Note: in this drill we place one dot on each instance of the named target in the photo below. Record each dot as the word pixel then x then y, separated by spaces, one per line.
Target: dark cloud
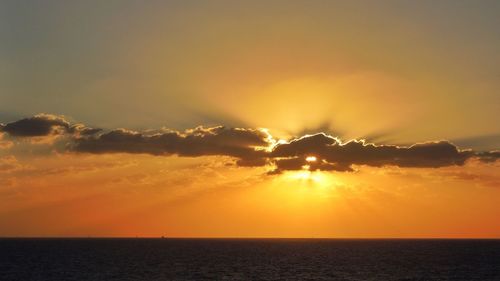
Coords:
pixel 37 126
pixel 239 143
pixel 44 125
pixel 331 154
pixel 300 163
pixel 488 156
pixel 250 147
pixel 83 130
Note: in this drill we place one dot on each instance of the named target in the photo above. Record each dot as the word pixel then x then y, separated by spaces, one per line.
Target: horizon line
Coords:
pixel 249 238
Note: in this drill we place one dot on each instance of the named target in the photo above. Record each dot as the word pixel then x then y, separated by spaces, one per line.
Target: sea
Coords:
pixel 247 259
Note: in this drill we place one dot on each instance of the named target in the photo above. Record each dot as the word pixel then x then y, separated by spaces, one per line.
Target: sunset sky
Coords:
pixel 342 119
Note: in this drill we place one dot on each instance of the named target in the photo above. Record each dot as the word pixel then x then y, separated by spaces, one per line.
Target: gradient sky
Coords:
pixel 390 72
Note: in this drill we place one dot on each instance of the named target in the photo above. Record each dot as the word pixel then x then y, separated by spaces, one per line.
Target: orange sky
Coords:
pixel 142 195
pixel 398 74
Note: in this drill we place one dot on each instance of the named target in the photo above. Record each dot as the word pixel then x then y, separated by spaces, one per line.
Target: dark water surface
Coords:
pixel 248 259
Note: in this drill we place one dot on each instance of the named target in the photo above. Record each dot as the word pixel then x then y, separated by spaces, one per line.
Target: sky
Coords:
pixel 341 119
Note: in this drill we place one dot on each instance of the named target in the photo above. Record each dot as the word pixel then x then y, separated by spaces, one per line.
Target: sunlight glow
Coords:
pixel 311 159
pixel 309 176
pixel 301 175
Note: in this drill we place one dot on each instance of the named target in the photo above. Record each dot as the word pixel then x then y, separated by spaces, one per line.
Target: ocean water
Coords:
pixel 248 259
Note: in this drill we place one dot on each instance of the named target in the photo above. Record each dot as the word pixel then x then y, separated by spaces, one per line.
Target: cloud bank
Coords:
pixel 42 125
pixel 250 147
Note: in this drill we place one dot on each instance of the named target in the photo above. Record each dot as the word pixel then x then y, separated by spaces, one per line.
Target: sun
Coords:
pixel 309 173
pixel 306 173
pixel 311 159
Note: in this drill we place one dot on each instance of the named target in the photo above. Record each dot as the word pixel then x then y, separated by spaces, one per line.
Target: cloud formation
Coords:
pixel 243 144
pixel 37 126
pixel 42 125
pixel 332 154
pixel 250 147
